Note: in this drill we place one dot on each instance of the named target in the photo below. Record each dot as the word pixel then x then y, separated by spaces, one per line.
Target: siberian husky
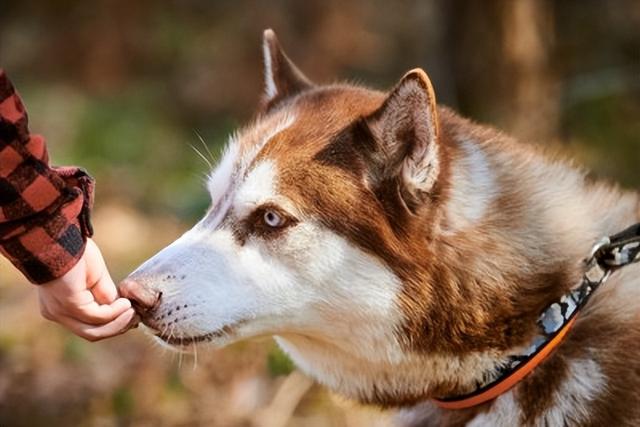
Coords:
pixel 400 253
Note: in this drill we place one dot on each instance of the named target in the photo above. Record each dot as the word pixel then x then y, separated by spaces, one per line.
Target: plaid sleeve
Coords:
pixel 44 211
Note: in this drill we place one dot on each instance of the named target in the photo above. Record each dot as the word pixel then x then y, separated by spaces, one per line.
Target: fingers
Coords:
pixel 94 313
pixel 119 325
pixel 104 290
pixel 86 301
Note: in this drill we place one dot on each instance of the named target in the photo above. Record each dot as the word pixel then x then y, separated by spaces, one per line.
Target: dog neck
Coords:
pixel 389 381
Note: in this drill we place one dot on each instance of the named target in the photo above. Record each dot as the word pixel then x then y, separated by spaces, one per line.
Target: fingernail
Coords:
pixel 124 302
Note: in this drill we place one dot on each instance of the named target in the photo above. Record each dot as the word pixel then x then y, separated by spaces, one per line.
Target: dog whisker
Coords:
pixel 202 156
pixel 195 355
pixel 206 147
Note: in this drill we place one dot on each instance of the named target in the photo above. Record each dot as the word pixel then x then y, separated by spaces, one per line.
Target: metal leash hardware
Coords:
pixel 618 250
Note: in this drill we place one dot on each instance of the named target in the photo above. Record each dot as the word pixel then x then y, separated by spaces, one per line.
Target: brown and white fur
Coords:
pixel 399 252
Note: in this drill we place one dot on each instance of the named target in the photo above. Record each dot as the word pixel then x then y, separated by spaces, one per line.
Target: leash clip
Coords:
pixel 603 243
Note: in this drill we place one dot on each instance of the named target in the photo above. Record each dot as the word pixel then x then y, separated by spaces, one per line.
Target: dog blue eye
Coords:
pixel 272 219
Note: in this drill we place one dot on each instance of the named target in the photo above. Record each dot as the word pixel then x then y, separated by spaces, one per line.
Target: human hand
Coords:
pixel 85 300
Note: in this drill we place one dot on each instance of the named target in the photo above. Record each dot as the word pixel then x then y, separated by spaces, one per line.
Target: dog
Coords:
pixel 400 253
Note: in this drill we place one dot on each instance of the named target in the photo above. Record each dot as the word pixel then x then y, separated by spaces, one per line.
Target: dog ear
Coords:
pixel 405 132
pixel 282 78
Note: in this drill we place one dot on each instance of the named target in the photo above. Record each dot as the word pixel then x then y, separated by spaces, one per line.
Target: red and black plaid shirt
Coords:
pixel 44 211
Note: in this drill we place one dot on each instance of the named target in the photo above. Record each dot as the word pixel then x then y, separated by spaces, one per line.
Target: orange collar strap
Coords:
pixel 607 256
pixel 510 378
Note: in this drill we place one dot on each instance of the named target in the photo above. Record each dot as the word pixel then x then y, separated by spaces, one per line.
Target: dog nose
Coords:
pixel 143 298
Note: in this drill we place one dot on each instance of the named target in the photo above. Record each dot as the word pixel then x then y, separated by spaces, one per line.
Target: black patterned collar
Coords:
pixel 608 255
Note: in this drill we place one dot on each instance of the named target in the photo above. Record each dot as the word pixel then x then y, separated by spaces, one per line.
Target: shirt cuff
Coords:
pixel 47 246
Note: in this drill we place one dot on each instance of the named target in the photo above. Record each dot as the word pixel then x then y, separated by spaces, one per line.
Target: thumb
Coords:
pixel 99 281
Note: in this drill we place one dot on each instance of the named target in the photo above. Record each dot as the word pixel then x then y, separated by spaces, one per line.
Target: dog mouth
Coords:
pixel 181 341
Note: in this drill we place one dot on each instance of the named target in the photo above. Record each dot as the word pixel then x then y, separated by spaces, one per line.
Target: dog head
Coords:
pixel 323 213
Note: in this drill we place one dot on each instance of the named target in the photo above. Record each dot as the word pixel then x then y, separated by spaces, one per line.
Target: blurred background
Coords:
pixel 126 88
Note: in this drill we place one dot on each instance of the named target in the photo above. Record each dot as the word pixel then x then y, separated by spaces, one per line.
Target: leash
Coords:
pixel 607 256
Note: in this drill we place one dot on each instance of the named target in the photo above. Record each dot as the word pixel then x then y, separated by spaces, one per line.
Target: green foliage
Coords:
pixel 123 402
pixel 279 363
pixel 609 129
pixel 74 349
pixel 137 153
pixel 174 382
pixel 7 342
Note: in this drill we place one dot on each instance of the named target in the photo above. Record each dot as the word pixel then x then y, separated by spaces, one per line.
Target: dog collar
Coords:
pixel 608 255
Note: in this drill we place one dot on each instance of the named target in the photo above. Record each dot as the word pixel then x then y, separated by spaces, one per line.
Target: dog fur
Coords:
pixel 399 252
